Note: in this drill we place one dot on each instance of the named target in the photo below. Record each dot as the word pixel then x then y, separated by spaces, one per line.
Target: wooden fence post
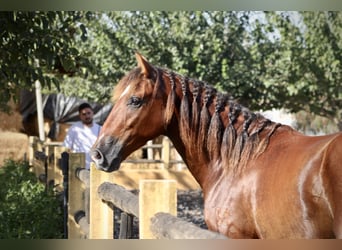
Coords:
pixel 49 171
pixel 50 153
pixel 166 152
pixel 155 196
pixel 101 224
pixel 32 148
pixel 36 145
pixel 150 150
pixel 76 196
pixel 57 170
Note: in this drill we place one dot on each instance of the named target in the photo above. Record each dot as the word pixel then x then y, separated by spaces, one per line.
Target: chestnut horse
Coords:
pixel 260 179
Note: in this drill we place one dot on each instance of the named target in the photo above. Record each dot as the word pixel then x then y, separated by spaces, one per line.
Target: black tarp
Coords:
pixel 59 109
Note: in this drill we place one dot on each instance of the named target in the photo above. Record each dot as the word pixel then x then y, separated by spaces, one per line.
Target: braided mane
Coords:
pixel 221 129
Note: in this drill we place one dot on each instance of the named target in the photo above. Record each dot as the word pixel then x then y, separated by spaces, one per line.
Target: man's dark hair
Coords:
pixel 83 106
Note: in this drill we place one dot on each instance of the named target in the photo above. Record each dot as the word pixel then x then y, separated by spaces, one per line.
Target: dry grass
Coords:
pixel 11 121
pixel 13 145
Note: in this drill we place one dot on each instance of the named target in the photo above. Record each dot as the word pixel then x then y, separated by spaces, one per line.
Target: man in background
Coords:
pixel 82 135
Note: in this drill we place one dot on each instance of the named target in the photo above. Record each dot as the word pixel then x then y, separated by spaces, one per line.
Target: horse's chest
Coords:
pixel 229 213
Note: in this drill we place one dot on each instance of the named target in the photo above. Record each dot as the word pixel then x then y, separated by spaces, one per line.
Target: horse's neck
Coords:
pixel 198 165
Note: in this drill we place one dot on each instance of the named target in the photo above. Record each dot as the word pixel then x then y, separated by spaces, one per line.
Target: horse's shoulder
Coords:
pixel 337 137
pixel 334 143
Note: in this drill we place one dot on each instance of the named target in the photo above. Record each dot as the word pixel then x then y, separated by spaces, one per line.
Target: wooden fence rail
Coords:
pixel 120 197
pixel 89 198
pixel 166 226
pixel 161 225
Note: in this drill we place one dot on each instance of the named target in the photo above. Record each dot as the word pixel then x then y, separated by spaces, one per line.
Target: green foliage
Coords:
pixel 38 46
pixel 204 45
pixel 27 210
pixel 308 62
pixel 266 60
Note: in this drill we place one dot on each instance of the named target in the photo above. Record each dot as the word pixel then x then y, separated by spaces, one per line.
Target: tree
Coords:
pixel 307 64
pixel 38 46
pixel 265 60
pixel 204 45
pixel 102 70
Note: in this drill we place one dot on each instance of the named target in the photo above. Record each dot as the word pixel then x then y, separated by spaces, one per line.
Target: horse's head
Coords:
pixel 137 116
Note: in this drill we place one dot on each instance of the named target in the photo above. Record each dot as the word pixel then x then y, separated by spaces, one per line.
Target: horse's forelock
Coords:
pixel 124 83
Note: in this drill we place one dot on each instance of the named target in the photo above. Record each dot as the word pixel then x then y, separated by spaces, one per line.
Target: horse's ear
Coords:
pixel 146 68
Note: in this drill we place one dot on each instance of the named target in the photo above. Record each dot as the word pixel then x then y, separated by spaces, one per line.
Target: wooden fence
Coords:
pixel 89 198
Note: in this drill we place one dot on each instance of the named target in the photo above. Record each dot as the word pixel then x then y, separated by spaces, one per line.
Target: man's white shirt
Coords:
pixel 80 138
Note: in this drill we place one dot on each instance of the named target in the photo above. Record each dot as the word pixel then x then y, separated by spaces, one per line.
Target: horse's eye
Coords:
pixel 135 102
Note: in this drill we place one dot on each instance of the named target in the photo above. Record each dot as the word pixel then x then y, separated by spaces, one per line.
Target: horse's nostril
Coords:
pixel 107 157
pixel 96 155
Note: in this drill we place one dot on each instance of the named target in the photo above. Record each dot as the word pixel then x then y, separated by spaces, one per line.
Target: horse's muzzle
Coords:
pixel 107 157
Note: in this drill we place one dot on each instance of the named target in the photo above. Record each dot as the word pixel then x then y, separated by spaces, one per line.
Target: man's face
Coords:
pixel 86 116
